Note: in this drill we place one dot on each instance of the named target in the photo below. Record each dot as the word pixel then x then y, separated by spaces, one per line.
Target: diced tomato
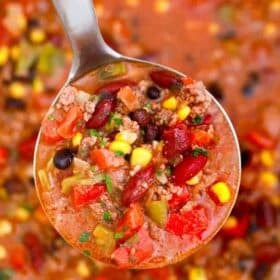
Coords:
pixel 188 81
pixel 4 154
pixel 143 248
pixel 18 257
pixel 208 119
pixel 164 79
pixel 193 222
pixel 188 168
pixel 83 195
pixel 49 131
pixel 114 87
pixel 138 185
pixel 102 113
pixel 67 127
pixel 26 147
pixel 132 221
pixel 178 201
pixel 201 138
pixel 105 159
pixel 260 140
pixel 177 139
pixel 35 250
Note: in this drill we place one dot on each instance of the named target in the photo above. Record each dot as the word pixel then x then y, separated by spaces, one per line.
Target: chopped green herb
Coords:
pixel 148 106
pixel 168 171
pixel 107 216
pixel 108 183
pixel 86 253
pixel 94 133
pixel 197 119
pixel 158 172
pixel 118 121
pixel 119 154
pixel 142 132
pixel 199 151
pixel 102 143
pixel 84 237
pixel 118 235
pixel 176 86
pixel 6 273
pixel 51 118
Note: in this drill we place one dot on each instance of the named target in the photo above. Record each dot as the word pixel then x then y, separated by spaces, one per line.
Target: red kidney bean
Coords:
pixel 35 249
pixel 138 185
pixel 164 79
pixel 102 113
pixel 267 253
pixel 142 117
pixel 177 139
pixel 188 168
pixel 151 133
pixel 114 87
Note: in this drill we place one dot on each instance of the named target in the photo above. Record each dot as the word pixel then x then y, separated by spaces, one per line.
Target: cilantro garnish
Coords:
pixel 197 119
pixel 84 237
pixel 119 154
pixel 148 106
pixel 94 133
pixel 102 143
pixel 107 216
pixel 108 183
pixel 168 171
pixel 158 172
pixel 118 235
pixel 199 151
pixel 86 253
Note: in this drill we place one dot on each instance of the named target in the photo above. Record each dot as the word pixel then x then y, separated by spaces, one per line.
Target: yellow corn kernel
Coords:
pixel 126 136
pixel 222 192
pixel 120 146
pixel 275 5
pixel 5 227
pixel 213 28
pixel 140 156
pixel 77 139
pixel 22 214
pixel 15 52
pixel 17 90
pixel 270 29
pixel 83 269
pixel 162 6
pixel 197 273
pixel 194 180
pixel 3 253
pixel 231 222
pixel 4 55
pixel 183 113
pixel 267 158
pixel 268 179
pixel 170 103
pixel 37 85
pixel 132 2
pixel 21 22
pixel 37 36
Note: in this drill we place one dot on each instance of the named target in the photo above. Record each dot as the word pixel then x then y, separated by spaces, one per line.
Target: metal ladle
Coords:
pixel 91 52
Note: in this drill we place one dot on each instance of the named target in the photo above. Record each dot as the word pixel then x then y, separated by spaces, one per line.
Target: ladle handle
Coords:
pixel 81 25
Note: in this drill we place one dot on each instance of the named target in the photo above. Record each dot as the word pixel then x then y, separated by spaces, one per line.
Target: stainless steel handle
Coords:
pixel 81 25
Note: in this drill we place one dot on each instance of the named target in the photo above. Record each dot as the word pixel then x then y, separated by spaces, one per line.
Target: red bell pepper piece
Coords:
pixel 49 131
pixel 114 87
pixel 102 113
pixel 177 139
pixel 178 201
pixel 82 195
pixel 201 138
pixel 18 257
pixel 143 248
pixel 193 222
pixel 35 250
pixel 4 154
pixel 131 222
pixel 138 185
pixel 188 168
pixel 164 79
pixel 260 140
pixel 67 127
pixel 26 147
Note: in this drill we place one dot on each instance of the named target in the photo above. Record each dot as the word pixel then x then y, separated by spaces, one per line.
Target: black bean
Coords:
pixel 63 158
pixel 246 157
pixel 250 84
pixel 141 116
pixel 216 90
pixel 151 133
pixel 153 92
pixel 14 103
